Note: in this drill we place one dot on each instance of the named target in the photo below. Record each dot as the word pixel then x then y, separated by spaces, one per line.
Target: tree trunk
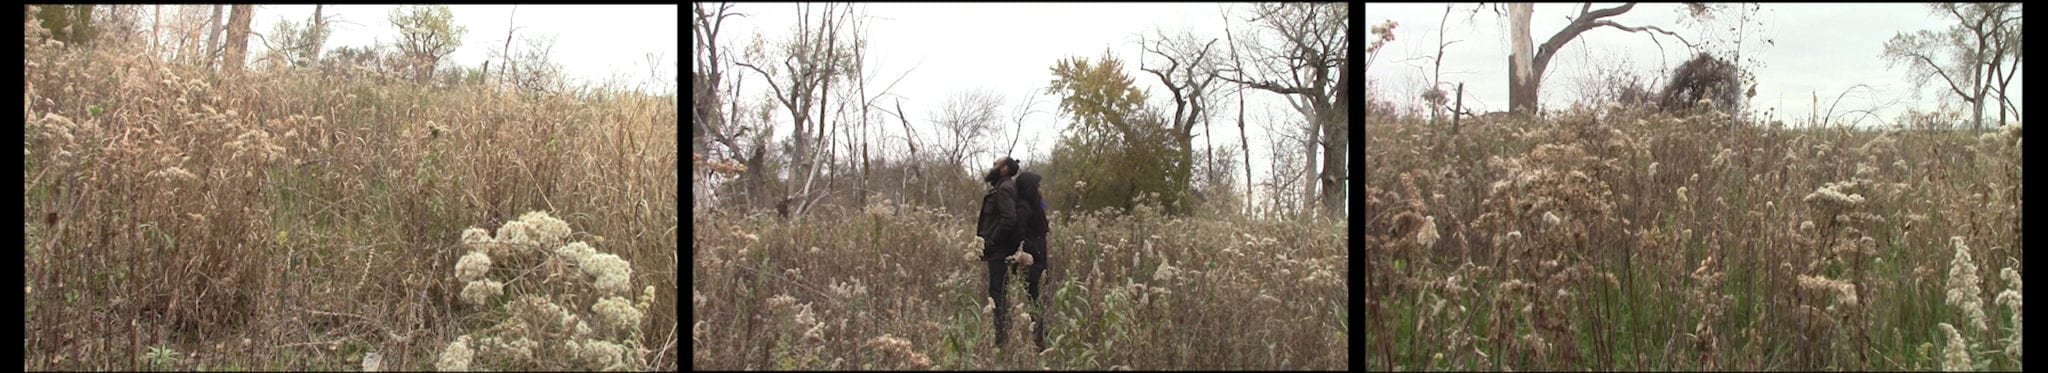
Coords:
pixel 1522 95
pixel 1977 103
pixel 2001 95
pixel 1336 148
pixel 319 29
pixel 1308 167
pixel 1977 85
pixel 824 134
pixel 212 36
pixel 1245 146
pixel 155 27
pixel 707 108
pixel 756 178
pixel 1522 74
pixel 238 38
pixel 866 168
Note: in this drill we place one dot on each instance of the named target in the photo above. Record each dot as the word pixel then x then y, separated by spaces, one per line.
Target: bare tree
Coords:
pixel 1284 164
pixel 1187 75
pixel 1307 65
pixel 1024 110
pixel 712 117
pixel 910 140
pixel 1984 35
pixel 967 118
pixel 858 68
pixel 1237 63
pixel 859 103
pixel 698 24
pixel 805 75
pixel 1527 63
pixel 1436 96
pixel 2009 44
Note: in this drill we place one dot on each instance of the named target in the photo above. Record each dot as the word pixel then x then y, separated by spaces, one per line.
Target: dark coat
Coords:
pixel 1035 222
pixel 1002 219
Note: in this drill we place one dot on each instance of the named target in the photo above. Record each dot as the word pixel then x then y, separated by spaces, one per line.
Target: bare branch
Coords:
pixel 1647 29
pixel 1937 70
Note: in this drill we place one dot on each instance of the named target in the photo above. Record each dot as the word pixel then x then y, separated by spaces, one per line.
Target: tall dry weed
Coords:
pixel 314 216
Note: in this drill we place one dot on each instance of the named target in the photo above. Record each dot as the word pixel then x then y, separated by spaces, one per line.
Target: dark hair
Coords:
pixel 995 176
pixel 1012 164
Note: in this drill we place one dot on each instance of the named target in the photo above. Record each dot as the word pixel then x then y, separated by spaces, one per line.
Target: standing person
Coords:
pixel 1002 228
pixel 1035 228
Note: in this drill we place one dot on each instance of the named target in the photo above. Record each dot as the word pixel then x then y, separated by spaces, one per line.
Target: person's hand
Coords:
pixel 1020 258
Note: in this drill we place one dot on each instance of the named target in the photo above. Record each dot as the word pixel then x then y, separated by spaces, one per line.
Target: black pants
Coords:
pixel 998 273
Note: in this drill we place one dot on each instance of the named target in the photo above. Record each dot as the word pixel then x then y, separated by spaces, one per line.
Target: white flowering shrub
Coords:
pixel 472 266
pixel 1962 285
pixel 456 356
pixel 546 327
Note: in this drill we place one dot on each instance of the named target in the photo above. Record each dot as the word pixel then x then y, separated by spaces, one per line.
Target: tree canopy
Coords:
pixel 1126 147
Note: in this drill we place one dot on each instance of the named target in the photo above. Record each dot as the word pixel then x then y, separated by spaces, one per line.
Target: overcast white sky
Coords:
pixel 592 42
pixel 1009 48
pixel 1821 49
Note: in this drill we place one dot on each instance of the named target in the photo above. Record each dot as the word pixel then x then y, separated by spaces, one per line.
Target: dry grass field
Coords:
pixel 1609 239
pixel 291 218
pixel 892 287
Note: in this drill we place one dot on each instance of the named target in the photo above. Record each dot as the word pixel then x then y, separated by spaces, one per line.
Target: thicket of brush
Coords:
pixel 901 287
pixel 285 219
pixel 1614 240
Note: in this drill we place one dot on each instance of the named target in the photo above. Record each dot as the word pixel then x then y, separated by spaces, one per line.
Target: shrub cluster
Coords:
pixel 538 332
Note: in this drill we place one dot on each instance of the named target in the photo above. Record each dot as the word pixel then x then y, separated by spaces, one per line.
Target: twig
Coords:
pixel 671 345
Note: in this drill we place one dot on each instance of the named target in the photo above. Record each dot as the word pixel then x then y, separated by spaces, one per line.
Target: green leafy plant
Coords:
pixel 161 356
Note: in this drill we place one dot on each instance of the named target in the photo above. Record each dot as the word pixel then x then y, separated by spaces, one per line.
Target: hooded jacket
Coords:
pixel 1035 222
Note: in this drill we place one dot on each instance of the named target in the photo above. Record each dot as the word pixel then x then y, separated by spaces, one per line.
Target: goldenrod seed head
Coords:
pixel 515 232
pixel 475 236
pixel 618 312
pixel 456 356
pixel 545 229
pixel 1955 357
pixel 1962 285
pixel 472 266
pixel 575 252
pixel 602 354
pixel 782 300
pixel 478 292
pixel 612 272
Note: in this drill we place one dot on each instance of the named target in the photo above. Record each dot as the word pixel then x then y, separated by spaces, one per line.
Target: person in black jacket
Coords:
pixel 1035 228
pixel 1001 223
pixel 1004 224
